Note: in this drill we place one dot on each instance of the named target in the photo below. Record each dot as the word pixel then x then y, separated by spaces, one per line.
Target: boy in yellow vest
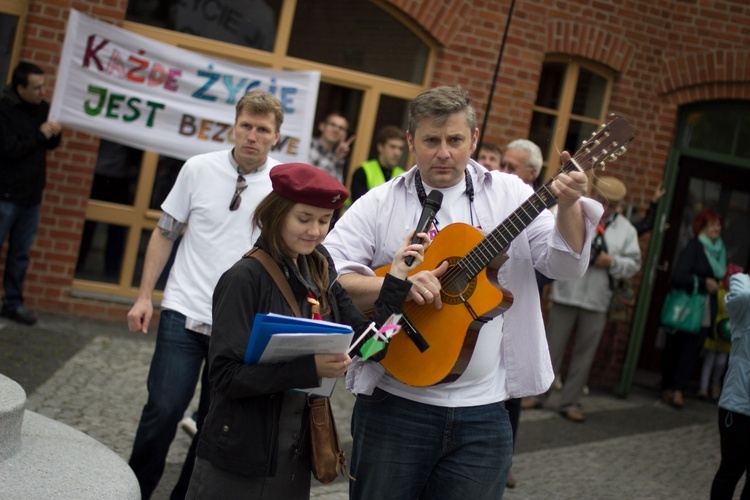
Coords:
pixel 390 143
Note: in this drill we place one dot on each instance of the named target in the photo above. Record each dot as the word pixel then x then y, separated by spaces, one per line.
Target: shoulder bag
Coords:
pixel 328 458
pixel 684 311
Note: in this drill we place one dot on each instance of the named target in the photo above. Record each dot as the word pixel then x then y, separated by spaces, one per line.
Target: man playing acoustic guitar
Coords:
pixel 422 430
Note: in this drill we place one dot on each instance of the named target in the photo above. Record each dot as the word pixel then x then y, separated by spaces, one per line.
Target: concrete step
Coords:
pixel 12 403
pixel 42 458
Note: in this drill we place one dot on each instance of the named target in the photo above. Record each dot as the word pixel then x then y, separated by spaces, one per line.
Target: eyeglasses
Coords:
pixel 340 127
pixel 237 199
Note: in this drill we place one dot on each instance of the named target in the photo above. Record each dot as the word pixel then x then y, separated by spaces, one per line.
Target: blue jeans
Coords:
pixel 408 450
pixel 19 223
pixel 172 378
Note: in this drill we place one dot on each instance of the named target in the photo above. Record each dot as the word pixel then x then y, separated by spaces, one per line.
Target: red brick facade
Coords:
pixel 666 53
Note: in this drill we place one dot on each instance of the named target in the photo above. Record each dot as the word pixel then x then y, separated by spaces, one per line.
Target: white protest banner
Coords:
pixel 149 95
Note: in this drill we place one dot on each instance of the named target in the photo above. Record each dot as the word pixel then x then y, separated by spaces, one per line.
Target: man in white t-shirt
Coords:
pixel 213 199
pixel 453 440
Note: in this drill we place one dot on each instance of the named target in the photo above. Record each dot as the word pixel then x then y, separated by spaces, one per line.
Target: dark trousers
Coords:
pixel 734 432
pixel 681 352
pixel 172 378
pixel 19 223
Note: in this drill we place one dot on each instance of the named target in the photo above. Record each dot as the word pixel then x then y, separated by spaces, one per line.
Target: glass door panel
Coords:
pixel 8 26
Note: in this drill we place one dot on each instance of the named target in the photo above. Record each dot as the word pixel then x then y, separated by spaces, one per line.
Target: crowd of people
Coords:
pixel 231 206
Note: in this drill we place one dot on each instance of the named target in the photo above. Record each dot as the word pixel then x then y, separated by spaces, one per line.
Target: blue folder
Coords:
pixel 266 325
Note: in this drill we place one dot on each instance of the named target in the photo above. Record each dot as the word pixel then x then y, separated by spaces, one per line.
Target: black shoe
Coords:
pixel 20 314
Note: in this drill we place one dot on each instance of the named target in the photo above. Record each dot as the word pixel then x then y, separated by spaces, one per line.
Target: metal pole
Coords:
pixel 494 79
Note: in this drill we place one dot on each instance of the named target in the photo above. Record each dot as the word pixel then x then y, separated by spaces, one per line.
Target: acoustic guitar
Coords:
pixel 435 346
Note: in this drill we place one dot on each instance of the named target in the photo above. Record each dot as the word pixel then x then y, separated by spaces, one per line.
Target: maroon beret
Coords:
pixel 303 183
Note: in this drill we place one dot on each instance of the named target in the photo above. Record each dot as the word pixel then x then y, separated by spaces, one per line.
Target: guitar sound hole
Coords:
pixel 456 285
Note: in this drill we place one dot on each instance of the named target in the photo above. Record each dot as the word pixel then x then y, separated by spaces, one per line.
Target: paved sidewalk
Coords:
pixel 91 375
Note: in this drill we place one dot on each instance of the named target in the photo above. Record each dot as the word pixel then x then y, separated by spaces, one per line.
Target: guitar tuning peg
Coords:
pixel 603 164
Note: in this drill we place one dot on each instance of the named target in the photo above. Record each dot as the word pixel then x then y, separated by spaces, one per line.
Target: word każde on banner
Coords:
pixel 150 95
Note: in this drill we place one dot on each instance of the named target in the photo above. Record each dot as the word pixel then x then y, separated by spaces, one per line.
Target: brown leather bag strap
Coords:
pixel 275 272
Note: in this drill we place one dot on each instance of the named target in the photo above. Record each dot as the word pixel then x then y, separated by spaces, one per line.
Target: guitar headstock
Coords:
pixel 606 144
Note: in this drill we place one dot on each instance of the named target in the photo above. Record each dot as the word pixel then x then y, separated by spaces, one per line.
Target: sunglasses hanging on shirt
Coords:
pixel 237 199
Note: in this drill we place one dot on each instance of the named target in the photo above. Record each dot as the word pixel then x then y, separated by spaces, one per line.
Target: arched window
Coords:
pixel 721 127
pixel 371 64
pixel 571 104
pixel 358 36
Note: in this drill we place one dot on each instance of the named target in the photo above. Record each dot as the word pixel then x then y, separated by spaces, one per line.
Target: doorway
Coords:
pixel 708 167
pixel 700 184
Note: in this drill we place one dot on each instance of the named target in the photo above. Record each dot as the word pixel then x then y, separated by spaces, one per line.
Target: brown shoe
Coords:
pixel 677 399
pixel 574 415
pixel 511 481
pixel 531 402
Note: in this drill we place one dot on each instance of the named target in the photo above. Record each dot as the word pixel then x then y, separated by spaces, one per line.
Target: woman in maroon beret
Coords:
pixel 255 440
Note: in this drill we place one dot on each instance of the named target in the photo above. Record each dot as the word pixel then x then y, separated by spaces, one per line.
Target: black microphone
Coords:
pixel 431 207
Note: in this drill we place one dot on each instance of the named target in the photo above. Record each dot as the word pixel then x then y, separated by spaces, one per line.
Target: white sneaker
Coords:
pixel 189 426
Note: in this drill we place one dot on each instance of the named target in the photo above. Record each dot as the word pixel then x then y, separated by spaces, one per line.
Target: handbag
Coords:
pixel 328 459
pixel 684 311
pixel 622 302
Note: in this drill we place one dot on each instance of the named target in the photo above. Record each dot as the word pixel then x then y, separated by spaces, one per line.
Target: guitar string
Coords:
pixel 578 158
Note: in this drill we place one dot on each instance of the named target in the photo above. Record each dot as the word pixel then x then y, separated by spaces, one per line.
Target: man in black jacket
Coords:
pixel 25 137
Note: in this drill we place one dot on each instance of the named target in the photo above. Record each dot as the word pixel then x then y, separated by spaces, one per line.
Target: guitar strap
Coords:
pixel 275 272
pixel 468 192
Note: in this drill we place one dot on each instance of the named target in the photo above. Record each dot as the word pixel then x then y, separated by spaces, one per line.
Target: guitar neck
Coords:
pixel 497 242
pixel 606 144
